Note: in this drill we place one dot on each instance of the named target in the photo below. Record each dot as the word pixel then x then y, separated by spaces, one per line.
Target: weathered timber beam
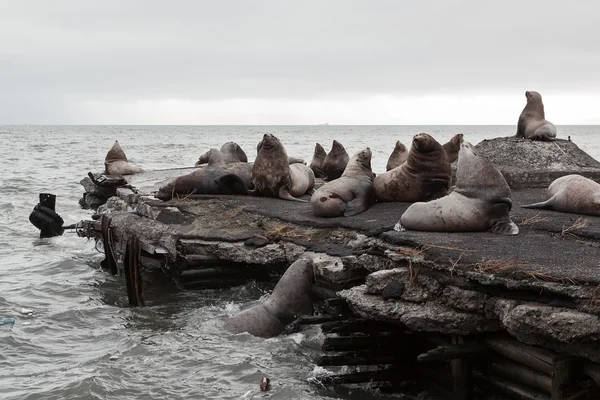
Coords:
pixel 521 374
pixel 536 358
pixel 392 374
pixel 357 358
pixel 514 389
pixel 361 325
pixel 319 319
pixel 350 343
pixel 454 351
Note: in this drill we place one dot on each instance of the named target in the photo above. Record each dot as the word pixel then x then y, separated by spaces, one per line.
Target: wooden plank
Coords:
pixel 514 389
pixel 533 357
pixel 453 352
pixel 561 376
pixel 462 374
pixel 521 374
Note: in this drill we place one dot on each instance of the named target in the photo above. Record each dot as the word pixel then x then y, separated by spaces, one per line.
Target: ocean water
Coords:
pixel 75 337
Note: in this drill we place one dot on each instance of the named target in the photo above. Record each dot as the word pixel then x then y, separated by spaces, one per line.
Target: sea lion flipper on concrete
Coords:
pixel 231 184
pixel 501 223
pixel 284 194
pixel 355 207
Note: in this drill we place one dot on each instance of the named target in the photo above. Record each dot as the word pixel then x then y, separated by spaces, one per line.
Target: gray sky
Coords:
pixel 301 62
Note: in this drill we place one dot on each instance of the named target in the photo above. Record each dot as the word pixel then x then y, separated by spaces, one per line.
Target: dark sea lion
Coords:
pixel 115 162
pixel 350 194
pixel 453 147
pixel 335 162
pixel 398 156
pixel 214 178
pixel 273 176
pixel 232 153
pixel 571 194
pixel 424 176
pixel 290 299
pixel 480 202
pixel 317 161
pixel 532 121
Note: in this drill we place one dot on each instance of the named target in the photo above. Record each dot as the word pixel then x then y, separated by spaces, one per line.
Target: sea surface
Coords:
pixel 75 336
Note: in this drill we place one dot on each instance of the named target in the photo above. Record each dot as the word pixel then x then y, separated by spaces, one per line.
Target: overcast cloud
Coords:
pixel 305 62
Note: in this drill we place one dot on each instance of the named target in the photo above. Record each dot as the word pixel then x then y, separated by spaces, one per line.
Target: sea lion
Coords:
pixel 424 176
pixel 273 176
pixel 295 160
pixel 317 161
pixel 532 121
pixel 335 162
pixel 571 194
pixel 290 299
pixel 398 156
pixel 115 162
pixel 231 151
pixel 480 202
pixel 453 147
pixel 350 194
pixel 214 178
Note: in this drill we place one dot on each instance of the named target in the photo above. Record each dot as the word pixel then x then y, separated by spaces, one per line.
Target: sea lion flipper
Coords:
pixel 285 195
pixel 355 207
pixel 231 184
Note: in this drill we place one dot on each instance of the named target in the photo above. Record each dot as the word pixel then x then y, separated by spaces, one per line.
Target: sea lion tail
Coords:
pixel 544 205
pixel 285 195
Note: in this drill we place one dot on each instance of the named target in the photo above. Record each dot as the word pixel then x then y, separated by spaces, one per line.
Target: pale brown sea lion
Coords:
pixel 350 194
pixel 424 176
pixel 453 147
pixel 335 162
pixel 532 121
pixel 480 202
pixel 571 194
pixel 273 176
pixel 291 298
pixel 231 151
pixel 398 156
pixel 115 162
pixel 317 161
pixel 214 178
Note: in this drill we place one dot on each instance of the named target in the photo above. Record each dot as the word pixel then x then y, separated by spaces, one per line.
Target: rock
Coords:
pixel 393 290
pixel 530 163
pixel 464 300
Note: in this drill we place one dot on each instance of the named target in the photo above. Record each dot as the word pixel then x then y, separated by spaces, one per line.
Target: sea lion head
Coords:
pixel 337 148
pixel 532 95
pixel 399 146
pixel 268 142
pixel 215 158
pixel 424 143
pixel 232 148
pixel 457 139
pixel 359 163
pixel 116 153
pixel 320 151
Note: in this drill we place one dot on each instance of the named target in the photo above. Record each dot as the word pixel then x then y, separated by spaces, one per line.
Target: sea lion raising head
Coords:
pixel 453 147
pixel 273 176
pixel 335 162
pixel 424 176
pixel 115 162
pixel 398 156
pixel 532 121
pixel 317 161
pixel 480 201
